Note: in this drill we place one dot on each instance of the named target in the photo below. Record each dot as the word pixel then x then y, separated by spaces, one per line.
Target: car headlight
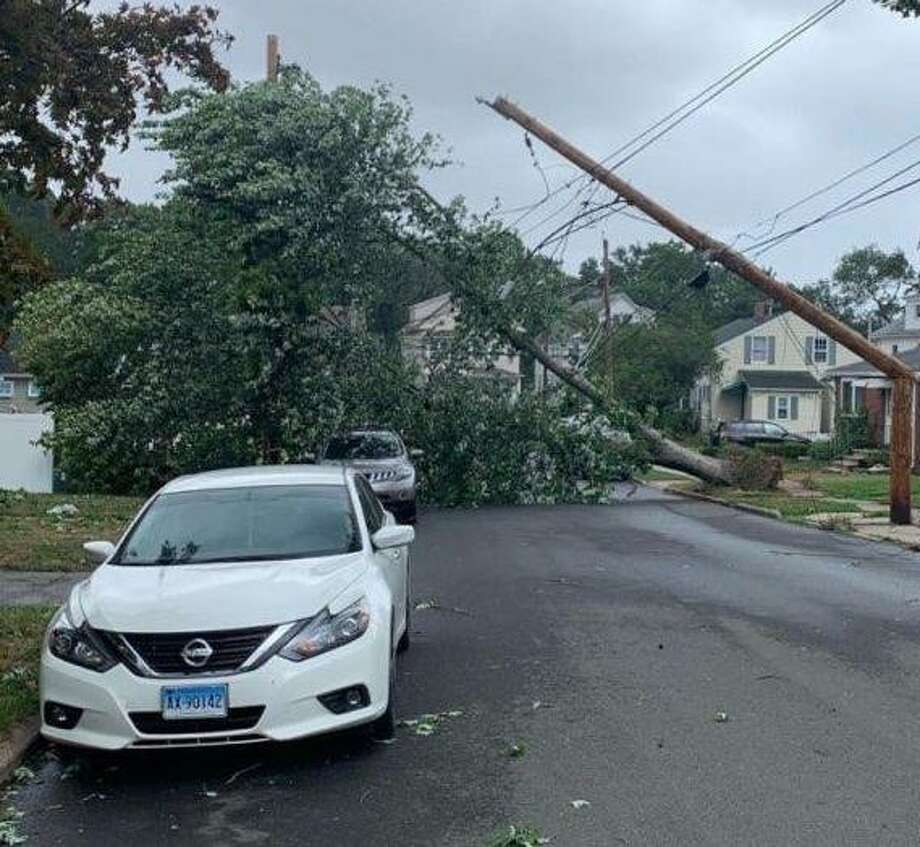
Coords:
pixel 401 473
pixel 76 645
pixel 327 631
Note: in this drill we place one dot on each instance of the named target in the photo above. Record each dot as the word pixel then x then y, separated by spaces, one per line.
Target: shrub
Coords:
pixel 852 430
pixel 788 450
pixel 825 451
pixel 755 470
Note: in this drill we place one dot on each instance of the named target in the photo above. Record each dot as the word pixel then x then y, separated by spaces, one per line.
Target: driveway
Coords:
pixel 610 642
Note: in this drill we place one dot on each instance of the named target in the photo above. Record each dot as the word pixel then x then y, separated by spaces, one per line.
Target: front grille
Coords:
pixel 381 476
pixel 163 651
pixel 153 723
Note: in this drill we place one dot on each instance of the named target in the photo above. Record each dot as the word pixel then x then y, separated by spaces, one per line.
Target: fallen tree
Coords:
pixel 666 452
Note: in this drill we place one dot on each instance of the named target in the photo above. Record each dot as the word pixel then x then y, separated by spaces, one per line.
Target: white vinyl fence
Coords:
pixel 22 463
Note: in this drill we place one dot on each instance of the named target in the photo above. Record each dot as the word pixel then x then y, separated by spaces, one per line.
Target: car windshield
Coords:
pixel 363 445
pixel 243 524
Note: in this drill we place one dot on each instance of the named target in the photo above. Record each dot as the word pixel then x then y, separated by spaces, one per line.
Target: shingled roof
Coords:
pixel 788 380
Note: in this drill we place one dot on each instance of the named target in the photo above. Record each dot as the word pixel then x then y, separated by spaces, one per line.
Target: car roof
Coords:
pixel 259 475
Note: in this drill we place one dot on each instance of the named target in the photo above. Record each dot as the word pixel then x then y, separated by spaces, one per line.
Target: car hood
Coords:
pixel 237 595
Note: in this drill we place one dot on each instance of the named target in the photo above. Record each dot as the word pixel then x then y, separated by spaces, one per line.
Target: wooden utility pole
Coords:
pixel 717 251
pixel 271 58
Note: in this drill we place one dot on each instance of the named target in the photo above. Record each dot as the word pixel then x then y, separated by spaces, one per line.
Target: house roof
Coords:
pixel 734 328
pixel 895 328
pixel 910 358
pixel 789 380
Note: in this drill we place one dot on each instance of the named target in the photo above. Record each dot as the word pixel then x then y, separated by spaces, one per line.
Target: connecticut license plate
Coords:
pixel 194 701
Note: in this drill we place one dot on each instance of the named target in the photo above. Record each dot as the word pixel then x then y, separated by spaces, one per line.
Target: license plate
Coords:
pixel 194 701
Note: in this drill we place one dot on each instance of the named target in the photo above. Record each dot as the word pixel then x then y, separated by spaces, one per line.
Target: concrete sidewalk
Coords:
pixel 25 588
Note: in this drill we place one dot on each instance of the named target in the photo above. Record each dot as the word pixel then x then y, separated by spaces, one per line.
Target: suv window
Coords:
pixel 773 429
pixel 370 505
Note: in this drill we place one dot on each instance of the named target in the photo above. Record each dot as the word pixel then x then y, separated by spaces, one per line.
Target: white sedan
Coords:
pixel 240 606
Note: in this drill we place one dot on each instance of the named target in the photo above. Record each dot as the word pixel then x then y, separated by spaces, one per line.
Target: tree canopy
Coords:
pixel 72 81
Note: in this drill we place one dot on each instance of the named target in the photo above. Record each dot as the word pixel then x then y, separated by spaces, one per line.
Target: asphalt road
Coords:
pixel 605 640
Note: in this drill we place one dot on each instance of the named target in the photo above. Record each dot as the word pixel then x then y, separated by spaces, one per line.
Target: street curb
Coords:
pixel 15 745
pixel 741 507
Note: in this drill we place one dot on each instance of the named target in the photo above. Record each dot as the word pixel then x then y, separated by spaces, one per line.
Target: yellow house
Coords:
pixel 774 367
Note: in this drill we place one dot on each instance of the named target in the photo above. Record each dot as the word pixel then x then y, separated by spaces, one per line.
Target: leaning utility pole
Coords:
pixel 717 251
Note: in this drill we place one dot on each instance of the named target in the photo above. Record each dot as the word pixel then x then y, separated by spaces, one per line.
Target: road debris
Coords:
pixel 517 750
pixel 433 604
pixel 579 804
pixel 428 724
pixel 234 776
pixel 721 717
pixel 518 836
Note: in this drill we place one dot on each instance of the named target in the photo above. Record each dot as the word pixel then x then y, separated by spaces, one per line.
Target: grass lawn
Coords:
pixel 791 508
pixel 21 632
pixel 858 486
pixel 34 540
pixel 660 475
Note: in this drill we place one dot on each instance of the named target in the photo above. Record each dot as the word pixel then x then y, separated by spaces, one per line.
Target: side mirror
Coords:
pixel 415 453
pixel 394 535
pixel 98 551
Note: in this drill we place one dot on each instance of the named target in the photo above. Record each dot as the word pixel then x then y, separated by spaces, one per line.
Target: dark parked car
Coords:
pixel 750 433
pixel 381 456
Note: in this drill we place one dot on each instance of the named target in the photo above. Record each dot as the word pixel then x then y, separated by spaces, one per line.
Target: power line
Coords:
pixel 723 84
pixel 772 219
pixel 851 204
pixel 681 113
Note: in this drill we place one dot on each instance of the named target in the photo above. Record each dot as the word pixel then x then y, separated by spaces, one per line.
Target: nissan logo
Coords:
pixel 196 653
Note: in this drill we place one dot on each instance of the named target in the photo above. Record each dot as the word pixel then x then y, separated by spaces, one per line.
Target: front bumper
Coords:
pixel 288 691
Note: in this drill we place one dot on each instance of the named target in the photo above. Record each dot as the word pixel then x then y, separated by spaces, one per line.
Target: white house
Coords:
pixel 903 333
pixel 431 325
pixel 773 367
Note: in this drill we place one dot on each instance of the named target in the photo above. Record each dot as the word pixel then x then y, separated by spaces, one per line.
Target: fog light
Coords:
pixel 60 716
pixel 346 699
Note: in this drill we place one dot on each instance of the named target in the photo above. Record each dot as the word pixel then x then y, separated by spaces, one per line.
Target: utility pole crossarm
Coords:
pixel 717 251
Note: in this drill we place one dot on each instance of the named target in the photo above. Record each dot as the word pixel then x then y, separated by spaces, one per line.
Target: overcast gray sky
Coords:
pixel 599 71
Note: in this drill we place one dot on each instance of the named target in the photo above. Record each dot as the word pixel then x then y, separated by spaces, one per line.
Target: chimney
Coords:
pixel 763 309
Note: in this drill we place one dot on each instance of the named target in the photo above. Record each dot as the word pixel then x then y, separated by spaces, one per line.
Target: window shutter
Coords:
pixel 747 349
pixel 771 350
pixel 794 407
pixel 771 407
pixel 809 349
pixel 831 351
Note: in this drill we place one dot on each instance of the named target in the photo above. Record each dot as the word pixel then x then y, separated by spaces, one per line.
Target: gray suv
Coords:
pixel 381 456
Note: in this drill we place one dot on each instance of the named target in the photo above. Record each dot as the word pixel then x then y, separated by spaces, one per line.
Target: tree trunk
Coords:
pixel 667 453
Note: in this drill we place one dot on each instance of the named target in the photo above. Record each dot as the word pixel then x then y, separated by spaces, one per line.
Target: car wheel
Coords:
pixel 410 514
pixel 384 727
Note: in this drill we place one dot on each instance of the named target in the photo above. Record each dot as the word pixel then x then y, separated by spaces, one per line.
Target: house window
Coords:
pixel 782 408
pixel 33 390
pixel 6 388
pixel 820 351
pixel 759 348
